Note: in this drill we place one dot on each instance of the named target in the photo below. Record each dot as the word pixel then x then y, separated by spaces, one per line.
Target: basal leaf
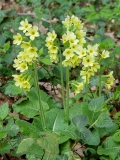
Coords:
pixel 28 129
pixel 5 147
pixel 104 121
pixel 94 138
pixel 24 145
pixel 109 148
pixel 116 136
pixel 80 120
pixel 49 142
pixel 96 104
pixel 4 110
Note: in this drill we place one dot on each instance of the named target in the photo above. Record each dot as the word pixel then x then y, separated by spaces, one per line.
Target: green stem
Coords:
pixel 86 90
pixel 62 82
pixel 67 94
pixel 100 83
pixel 39 98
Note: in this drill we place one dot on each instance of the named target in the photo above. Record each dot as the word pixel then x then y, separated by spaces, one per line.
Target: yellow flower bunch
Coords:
pixel 74 37
pixel 52 48
pixel 75 52
pixel 110 80
pixel 27 55
pixel 22 82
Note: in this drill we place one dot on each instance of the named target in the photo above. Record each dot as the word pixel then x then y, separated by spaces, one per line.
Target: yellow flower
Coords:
pixel 53 49
pixel 65 38
pixel 95 66
pixel 66 23
pixel 68 53
pixel 17 62
pixel 90 72
pixel 17 39
pixel 25 25
pixel 79 87
pixel 54 58
pixel 18 80
pixel 48 43
pixel 80 34
pixel 110 81
pixel 67 62
pixel 51 36
pixel 26 85
pixel 32 52
pixel 105 54
pixel 25 45
pixel 92 50
pixel 76 63
pixel 21 82
pixel 74 59
pixel 23 67
pixel 81 52
pixel 32 32
pixel 74 47
pixel 82 41
pixel 88 61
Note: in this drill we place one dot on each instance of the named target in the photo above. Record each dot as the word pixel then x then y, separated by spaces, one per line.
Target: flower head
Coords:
pixel 92 50
pixel 25 25
pixel 51 36
pixel 32 52
pixel 25 45
pixel 17 39
pixel 88 61
pixel 32 32
pixel 105 54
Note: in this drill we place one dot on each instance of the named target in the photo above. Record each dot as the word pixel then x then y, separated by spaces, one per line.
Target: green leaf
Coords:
pixel 94 139
pixel 2 15
pixel 104 121
pixel 12 90
pixel 24 145
pixel 5 147
pixel 12 129
pixel 40 52
pixel 4 110
pixel 35 150
pixel 30 108
pixel 6 46
pixel 109 148
pixel 96 104
pixel 59 122
pixel 50 143
pixel 46 60
pixel 80 120
pixel 84 134
pixel 2 134
pixel 116 50
pixel 116 136
pixel 75 110
pixel 108 43
pixel 28 129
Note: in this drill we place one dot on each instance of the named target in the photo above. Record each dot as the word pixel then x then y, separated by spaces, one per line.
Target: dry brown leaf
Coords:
pixel 42 29
pixel 79 150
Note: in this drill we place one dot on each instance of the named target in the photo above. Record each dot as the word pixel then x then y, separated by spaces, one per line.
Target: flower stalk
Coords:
pixel 62 82
pixel 42 115
pixel 67 94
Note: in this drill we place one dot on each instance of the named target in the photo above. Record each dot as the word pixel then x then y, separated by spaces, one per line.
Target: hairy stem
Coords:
pixel 42 115
pixel 67 94
pixel 62 82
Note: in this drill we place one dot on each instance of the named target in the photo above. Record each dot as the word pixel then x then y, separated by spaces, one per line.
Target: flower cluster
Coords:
pixel 52 47
pixel 110 80
pixel 75 51
pixel 74 38
pixel 27 55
